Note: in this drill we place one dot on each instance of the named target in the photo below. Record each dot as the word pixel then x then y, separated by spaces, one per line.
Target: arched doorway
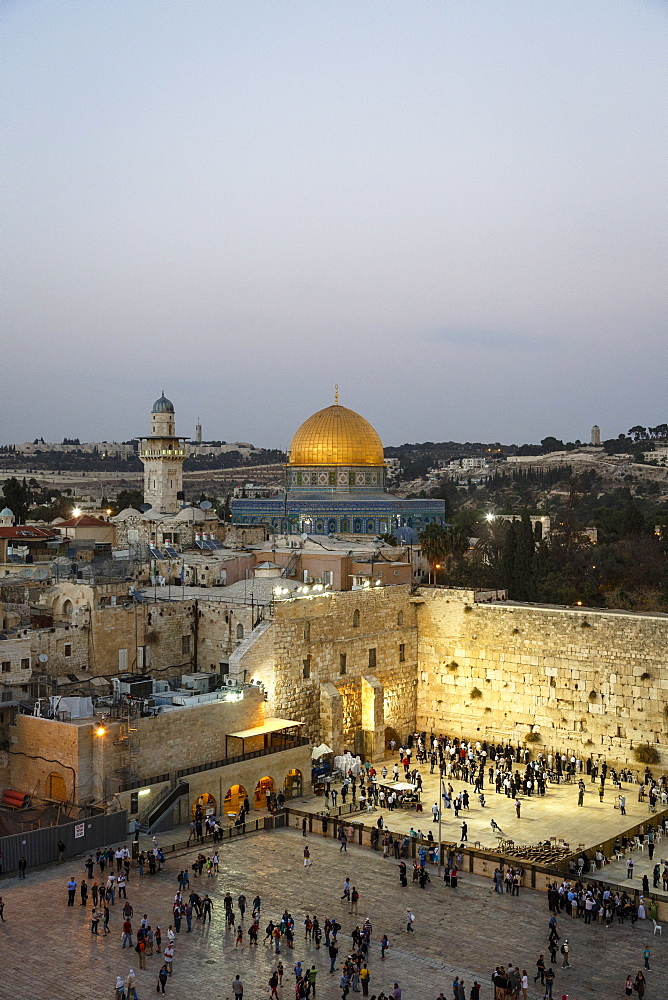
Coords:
pixel 234 800
pixel 67 608
pixel 391 734
pixel 56 787
pixel 292 786
pixel 265 785
pixel 204 805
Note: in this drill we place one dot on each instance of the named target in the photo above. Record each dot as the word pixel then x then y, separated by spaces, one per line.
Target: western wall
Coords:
pixel 588 680
pixel 585 680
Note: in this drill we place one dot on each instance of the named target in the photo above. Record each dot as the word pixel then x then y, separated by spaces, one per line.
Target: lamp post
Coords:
pixel 100 732
pixel 440 814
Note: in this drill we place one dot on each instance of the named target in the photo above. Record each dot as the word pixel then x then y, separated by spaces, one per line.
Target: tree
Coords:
pixel 524 583
pixel 127 498
pixel 434 544
pixel 17 497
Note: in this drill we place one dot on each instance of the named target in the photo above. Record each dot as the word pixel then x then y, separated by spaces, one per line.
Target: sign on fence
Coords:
pixel 79 830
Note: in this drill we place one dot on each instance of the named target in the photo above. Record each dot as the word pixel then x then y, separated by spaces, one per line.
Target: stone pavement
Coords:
pixel 463 932
pixel 556 814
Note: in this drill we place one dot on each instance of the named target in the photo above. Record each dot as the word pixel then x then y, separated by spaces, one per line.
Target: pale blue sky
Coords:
pixel 455 210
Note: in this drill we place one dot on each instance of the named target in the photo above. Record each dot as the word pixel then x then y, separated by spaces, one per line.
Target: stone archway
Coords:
pixel 261 798
pixel 234 800
pixel 203 806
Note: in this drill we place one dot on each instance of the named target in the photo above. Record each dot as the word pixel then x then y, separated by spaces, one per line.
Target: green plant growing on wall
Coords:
pixel 592 696
pixel 475 694
pixel 645 677
pixel 488 709
pixel 468 609
pixel 453 666
pixel 532 738
pixel 585 624
pixel 645 753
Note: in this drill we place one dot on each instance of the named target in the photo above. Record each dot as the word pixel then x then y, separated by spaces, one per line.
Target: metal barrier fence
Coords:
pixel 40 847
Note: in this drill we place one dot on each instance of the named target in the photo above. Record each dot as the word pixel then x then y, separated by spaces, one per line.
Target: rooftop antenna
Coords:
pixel 336 395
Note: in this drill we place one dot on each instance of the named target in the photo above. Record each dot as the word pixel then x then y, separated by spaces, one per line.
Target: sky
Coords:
pixel 454 210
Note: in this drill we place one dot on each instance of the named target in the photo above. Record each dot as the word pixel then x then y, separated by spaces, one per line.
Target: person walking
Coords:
pixel 384 945
pixel 163 975
pixel 131 986
pixel 465 831
pixel 646 953
pixel 549 983
pixel 565 951
pixel 71 891
pixel 410 920
pixel 238 988
pixel 540 970
pixel 629 868
pixel 23 864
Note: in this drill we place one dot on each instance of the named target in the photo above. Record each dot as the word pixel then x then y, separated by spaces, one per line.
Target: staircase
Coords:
pixel 162 805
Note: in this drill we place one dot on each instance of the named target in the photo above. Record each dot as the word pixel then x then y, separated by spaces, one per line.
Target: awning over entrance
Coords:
pixel 279 733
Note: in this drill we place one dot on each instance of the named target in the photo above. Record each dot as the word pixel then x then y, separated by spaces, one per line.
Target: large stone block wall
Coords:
pixel 322 628
pixel 192 736
pixel 158 627
pixel 592 681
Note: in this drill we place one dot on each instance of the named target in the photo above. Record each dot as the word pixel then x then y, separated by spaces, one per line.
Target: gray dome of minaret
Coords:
pixel 163 405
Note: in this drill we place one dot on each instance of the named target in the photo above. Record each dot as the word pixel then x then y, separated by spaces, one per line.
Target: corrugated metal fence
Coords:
pixel 40 847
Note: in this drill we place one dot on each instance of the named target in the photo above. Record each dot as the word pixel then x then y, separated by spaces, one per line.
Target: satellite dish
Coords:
pixel 206 505
pixel 42 657
pixel 145 506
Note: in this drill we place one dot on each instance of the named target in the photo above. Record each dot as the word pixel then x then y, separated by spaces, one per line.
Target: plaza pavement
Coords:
pixel 556 814
pixel 48 952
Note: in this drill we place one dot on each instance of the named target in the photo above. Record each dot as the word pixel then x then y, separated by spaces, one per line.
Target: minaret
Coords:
pixel 596 435
pixel 162 454
pixel 198 431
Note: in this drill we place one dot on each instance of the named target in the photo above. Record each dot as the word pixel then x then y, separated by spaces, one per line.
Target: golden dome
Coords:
pixel 336 436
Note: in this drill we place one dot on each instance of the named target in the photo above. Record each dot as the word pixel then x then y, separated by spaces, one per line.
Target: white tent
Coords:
pixel 320 751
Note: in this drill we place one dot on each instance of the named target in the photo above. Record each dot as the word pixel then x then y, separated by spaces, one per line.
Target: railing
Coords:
pixel 143 818
pixel 304 741
pixel 166 803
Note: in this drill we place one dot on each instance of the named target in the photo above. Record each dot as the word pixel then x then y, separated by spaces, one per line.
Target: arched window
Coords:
pixel 307 632
pixel 356 618
pixel 67 608
pixel 240 631
pixel 400 618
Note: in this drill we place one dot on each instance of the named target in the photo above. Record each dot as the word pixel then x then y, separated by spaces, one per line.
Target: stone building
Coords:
pixel 336 484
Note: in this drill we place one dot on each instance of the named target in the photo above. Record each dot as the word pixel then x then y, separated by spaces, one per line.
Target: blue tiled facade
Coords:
pixel 319 513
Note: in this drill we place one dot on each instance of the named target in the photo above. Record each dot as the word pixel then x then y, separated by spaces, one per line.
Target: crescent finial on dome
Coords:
pixel 336 395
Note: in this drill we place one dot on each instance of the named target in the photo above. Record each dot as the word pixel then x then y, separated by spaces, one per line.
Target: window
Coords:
pixel 372 658
pixel 140 657
pixel 68 649
pixel 328 577
pixel 356 619
pixel 402 652
pixel 6 695
pixel 240 631
pixel 307 632
pixel 25 663
pixel 342 663
pixel 306 672
pixel 400 618
pixel 122 659
pixel 6 666
pixel 185 645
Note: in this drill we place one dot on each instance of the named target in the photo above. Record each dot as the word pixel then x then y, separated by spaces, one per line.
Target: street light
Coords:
pixel 440 815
